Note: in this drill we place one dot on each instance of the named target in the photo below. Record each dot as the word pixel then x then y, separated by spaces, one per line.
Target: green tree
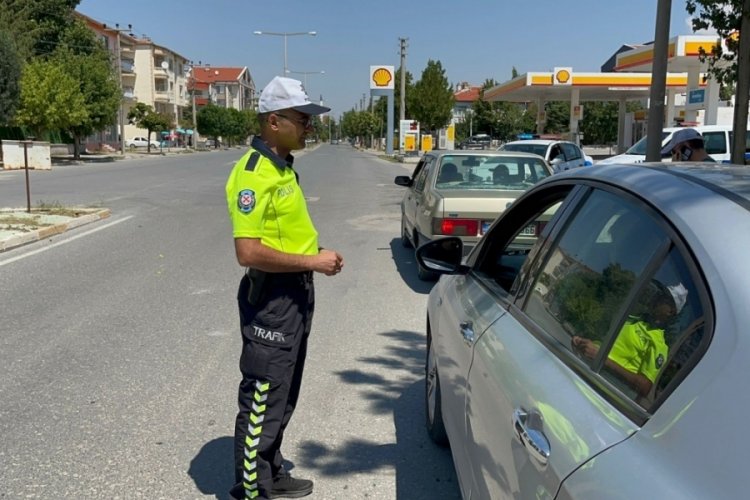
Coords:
pixel 51 99
pixel 212 122
pixel 558 117
pixel 732 67
pixel 88 62
pixel 38 25
pixel 10 76
pixel 144 116
pixel 432 104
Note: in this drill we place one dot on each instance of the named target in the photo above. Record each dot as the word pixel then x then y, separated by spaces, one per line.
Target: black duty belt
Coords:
pixel 289 278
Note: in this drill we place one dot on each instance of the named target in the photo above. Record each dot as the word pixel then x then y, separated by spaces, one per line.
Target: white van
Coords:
pixel 718 140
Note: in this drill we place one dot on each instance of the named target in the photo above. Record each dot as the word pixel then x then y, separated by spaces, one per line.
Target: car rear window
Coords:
pixel 516 173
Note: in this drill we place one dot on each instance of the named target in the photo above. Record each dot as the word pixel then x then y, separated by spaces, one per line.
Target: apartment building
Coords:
pixel 227 87
pixel 149 73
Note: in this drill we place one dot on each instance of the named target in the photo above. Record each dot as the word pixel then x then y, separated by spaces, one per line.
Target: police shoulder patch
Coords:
pixel 246 201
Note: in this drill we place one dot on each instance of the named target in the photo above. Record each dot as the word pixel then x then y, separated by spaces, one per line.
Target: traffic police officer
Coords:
pixel 276 241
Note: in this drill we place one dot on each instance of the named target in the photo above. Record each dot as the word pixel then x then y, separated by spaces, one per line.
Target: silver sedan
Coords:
pixel 606 361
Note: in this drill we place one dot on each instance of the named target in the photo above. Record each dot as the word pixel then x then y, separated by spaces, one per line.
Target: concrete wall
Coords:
pixel 38 154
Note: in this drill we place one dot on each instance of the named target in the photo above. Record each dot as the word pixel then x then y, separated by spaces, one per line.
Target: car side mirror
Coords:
pixel 403 180
pixel 556 161
pixel 443 256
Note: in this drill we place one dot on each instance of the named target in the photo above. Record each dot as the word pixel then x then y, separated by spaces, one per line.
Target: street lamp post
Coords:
pixel 285 35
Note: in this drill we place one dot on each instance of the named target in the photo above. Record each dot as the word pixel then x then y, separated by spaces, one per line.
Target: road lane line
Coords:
pixel 68 240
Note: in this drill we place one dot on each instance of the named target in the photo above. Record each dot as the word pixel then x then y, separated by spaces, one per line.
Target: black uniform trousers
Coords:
pixel 274 345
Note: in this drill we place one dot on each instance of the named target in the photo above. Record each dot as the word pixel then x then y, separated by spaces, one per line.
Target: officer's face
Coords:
pixel 293 127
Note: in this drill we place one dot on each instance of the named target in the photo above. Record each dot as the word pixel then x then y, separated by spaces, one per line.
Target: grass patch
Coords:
pixel 15 223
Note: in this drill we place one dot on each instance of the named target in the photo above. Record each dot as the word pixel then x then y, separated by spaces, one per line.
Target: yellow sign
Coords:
pixel 563 76
pixel 381 77
pixel 410 142
pixel 451 132
pixel 426 143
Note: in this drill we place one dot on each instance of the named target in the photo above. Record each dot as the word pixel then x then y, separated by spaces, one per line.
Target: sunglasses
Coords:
pixel 305 122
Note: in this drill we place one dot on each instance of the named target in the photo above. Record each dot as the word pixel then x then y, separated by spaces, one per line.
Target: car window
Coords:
pixel 639 148
pixel 421 176
pixel 571 151
pixel 517 236
pixel 715 142
pixel 601 296
pixel 489 172
pixel 537 149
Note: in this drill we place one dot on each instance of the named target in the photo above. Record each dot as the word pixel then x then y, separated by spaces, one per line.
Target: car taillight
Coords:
pixel 455 227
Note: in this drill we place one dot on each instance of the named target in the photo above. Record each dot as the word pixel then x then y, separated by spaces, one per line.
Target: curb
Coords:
pixel 49 231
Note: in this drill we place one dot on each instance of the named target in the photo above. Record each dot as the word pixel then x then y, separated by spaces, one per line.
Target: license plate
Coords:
pixel 529 230
pixel 486 226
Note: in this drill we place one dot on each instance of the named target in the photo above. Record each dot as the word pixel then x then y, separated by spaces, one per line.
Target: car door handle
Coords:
pixel 467 332
pixel 529 429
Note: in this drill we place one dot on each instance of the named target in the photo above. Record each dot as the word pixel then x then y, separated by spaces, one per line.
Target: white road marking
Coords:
pixel 68 240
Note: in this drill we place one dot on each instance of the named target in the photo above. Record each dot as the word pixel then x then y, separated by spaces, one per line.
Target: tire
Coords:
pixel 132 147
pixel 433 399
pixel 405 241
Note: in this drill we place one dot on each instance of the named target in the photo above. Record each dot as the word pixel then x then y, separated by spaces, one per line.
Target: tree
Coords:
pixel 143 116
pixel 51 99
pixel 37 25
pixel 728 18
pixel 10 76
pixel 88 62
pixel 211 121
pixel 432 104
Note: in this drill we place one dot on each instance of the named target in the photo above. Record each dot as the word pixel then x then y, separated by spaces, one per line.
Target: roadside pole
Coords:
pixel 26 169
pixel 658 82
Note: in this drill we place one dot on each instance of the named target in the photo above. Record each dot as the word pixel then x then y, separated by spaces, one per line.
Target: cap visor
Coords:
pixel 312 109
pixel 668 148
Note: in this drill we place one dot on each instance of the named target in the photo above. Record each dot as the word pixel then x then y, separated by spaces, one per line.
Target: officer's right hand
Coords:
pixel 328 262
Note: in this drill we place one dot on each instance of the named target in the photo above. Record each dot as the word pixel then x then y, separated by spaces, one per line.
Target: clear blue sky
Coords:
pixel 473 39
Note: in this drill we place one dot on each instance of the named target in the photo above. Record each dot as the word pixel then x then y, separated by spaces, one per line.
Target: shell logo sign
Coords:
pixel 563 76
pixel 381 77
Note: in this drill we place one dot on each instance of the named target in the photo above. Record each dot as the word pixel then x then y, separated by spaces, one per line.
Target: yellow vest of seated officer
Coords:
pixel 266 202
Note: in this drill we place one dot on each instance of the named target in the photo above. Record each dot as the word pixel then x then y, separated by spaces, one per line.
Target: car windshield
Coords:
pixel 537 149
pixel 506 172
pixel 639 148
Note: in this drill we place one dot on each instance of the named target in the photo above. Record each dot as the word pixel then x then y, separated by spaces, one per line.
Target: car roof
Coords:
pixel 544 142
pixel 483 152
pixel 730 181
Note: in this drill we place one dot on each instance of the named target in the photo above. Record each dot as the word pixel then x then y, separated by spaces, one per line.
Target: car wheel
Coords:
pixel 132 147
pixel 432 399
pixel 405 241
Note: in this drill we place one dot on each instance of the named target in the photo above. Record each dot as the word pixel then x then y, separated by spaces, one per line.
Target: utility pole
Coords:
pixel 402 99
pixel 118 61
pixel 658 82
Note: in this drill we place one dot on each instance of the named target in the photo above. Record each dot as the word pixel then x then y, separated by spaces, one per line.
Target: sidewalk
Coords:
pixel 17 227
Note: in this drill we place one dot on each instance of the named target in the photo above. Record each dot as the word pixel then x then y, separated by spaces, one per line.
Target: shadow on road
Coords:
pixel 406 265
pixel 212 467
pixel 424 471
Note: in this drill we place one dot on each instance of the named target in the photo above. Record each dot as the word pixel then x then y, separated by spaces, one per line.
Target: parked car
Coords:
pixel 140 142
pixel 562 155
pixel 477 141
pixel 717 139
pixel 609 359
pixel 461 193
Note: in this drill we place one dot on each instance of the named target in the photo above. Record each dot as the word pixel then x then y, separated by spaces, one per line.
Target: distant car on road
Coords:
pixel 140 142
pixel 562 155
pixel 461 193
pixel 615 345
pixel 477 141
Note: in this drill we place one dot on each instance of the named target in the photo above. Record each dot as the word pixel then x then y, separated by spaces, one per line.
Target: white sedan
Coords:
pixel 562 155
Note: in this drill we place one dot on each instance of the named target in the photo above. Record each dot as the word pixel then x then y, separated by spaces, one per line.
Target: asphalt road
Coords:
pixel 119 340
